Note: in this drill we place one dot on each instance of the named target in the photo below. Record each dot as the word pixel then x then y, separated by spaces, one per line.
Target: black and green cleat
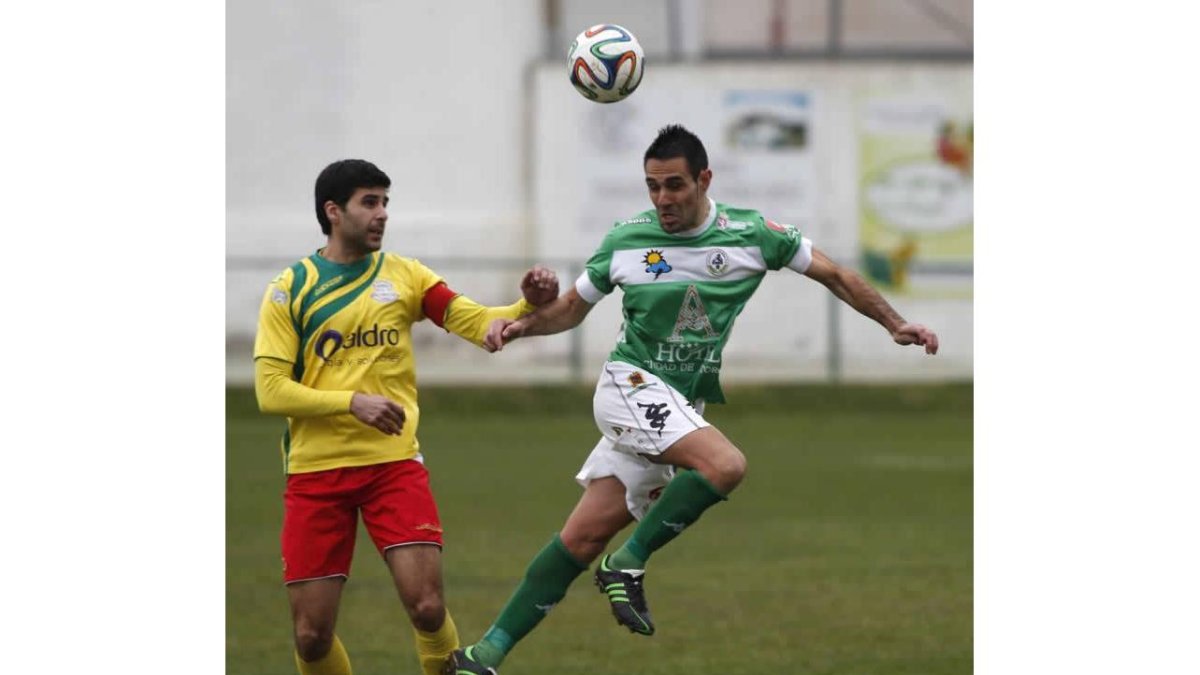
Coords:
pixel 626 597
pixel 461 663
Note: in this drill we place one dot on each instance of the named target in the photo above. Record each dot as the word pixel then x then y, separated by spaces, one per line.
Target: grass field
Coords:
pixel 847 550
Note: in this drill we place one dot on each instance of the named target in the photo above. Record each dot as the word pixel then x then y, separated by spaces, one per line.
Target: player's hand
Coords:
pixel 916 334
pixel 499 334
pixel 380 412
pixel 539 286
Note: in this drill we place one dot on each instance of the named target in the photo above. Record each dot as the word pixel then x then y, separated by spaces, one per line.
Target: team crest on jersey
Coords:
pixel 656 263
pixel 717 262
pixel 383 291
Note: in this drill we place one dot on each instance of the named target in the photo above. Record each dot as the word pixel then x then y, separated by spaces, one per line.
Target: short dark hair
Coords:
pixel 675 141
pixel 339 180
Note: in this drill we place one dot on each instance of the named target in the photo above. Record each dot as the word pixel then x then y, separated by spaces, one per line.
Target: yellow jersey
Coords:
pixel 347 328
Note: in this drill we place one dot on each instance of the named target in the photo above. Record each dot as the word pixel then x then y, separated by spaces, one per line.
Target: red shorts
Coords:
pixel 320 515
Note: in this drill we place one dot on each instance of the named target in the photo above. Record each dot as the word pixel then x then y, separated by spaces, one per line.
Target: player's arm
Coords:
pixel 470 320
pixel 853 290
pixel 279 394
pixel 565 313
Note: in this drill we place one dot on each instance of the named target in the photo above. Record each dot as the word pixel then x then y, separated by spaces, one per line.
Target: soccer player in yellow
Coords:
pixel 334 354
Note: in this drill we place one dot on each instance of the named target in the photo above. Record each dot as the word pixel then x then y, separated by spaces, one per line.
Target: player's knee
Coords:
pixel 727 469
pixel 313 642
pixel 585 544
pixel 427 613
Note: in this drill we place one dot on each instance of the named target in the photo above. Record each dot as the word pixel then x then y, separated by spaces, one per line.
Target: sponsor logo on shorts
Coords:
pixel 279 297
pixel 657 416
pixel 638 382
pixel 678 527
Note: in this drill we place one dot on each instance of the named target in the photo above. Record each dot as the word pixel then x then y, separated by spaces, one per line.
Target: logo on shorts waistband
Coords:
pixel 638 382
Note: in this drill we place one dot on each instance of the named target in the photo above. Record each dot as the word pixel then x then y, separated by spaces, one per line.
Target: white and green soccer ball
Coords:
pixel 605 63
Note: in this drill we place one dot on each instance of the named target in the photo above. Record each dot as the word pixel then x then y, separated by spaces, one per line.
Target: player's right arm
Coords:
pixel 275 347
pixel 564 313
pixel 567 310
pixel 853 290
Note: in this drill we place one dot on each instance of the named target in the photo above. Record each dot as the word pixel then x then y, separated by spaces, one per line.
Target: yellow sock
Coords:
pixel 336 662
pixel 434 648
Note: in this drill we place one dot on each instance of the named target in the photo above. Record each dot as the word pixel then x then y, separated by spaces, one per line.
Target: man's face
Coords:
pixel 678 198
pixel 360 226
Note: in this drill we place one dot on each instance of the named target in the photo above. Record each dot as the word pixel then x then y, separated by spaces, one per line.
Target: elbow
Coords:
pixel 268 402
pixel 264 400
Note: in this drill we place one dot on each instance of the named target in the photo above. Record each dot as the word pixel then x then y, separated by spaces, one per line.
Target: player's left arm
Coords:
pixel 853 290
pixel 470 320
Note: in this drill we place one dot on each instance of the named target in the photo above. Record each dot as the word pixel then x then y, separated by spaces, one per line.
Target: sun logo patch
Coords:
pixel 656 263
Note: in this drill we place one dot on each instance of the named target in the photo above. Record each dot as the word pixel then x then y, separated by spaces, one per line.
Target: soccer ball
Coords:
pixel 605 63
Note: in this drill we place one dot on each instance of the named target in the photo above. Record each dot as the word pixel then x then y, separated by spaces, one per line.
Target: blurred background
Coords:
pixel 851 119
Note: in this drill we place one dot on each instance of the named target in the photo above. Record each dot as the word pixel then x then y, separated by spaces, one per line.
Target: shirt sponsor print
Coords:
pixel 656 263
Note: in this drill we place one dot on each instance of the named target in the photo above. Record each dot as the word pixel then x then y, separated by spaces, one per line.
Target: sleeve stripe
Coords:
pixel 803 257
pixel 587 290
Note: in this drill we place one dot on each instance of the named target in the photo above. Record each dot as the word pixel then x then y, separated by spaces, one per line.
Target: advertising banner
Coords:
pixel 916 216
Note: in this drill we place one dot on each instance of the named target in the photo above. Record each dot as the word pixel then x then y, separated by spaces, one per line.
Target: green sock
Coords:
pixel 687 496
pixel 546 580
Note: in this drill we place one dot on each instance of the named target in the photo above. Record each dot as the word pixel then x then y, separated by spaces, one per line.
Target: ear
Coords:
pixel 333 213
pixel 704 179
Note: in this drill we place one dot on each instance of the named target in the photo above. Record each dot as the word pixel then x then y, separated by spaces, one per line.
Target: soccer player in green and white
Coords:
pixel 687 268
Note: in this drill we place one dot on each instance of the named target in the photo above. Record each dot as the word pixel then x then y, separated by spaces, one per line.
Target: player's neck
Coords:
pixel 336 253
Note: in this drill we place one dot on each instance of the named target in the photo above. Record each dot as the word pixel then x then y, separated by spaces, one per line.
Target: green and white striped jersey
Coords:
pixel 682 292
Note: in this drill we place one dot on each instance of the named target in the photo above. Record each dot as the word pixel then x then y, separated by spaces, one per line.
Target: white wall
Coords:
pixel 431 92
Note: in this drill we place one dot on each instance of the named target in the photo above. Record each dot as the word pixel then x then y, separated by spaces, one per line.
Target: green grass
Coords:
pixel 847 550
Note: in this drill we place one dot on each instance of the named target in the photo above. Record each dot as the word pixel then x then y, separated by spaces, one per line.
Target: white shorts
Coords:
pixel 638 415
